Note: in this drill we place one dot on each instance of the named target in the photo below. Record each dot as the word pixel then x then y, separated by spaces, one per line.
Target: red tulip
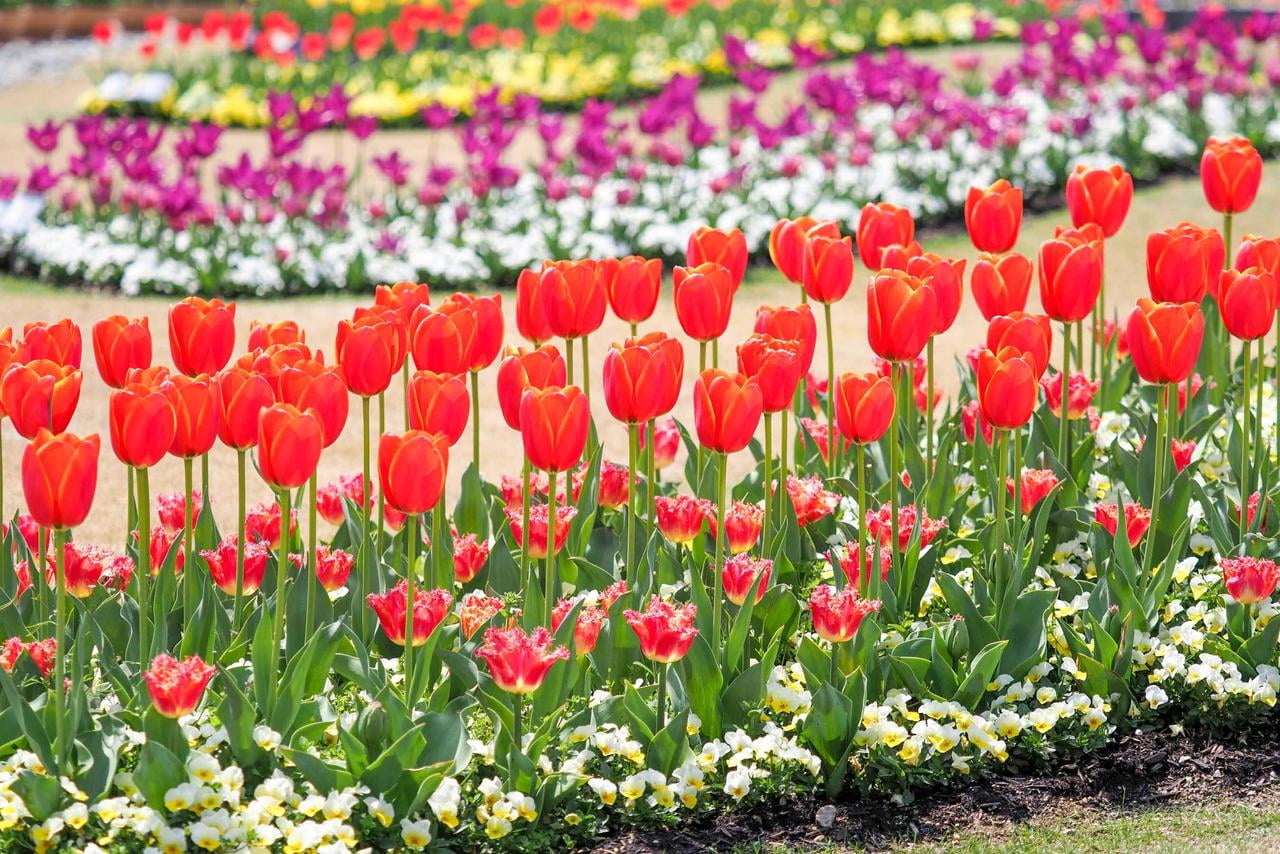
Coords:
pixel 489 324
pixel 1261 252
pixel 1183 262
pixel 554 423
pixel 615 486
pixel 635 380
pixel 58 342
pixel 521 369
pixel 666 631
pixel 1099 196
pixel 880 226
pixel 787 241
pixel 726 248
pixel 311 385
pixel 864 406
pixel 993 216
pixel 443 340
pixel 573 297
pixel 666 442
pixel 1230 173
pixel 243 395
pixel 946 277
pixel 333 566
pixel 531 311
pixel 439 403
pixel 1036 486
pixel 703 298
pixel 791 324
pixel 673 353
pixel 774 365
pixel 196 411
pixel 121 344
pixel 741 574
pixel 40 395
pixel 59 477
pixel 367 348
pixel 412 468
pixel 743 523
pixel 469 557
pixel 1247 302
pixel 142 419
pixel 1249 579
pixel 176 686
pixel 430 607
pixel 810 499
pixel 202 335
pixel 539 515
pixel 404 297
pixel 289 445
pixel 1137 519
pixel 223 569
pixel 837 614
pixel 1070 277
pixel 632 285
pixel 399 333
pixel 680 518
pixel 1007 387
pixel 1030 334
pixel 586 629
pixel 519 662
pixel 263 334
pixel 476 609
pixel 1080 392
pixel 726 410
pixel 828 268
pixel 1001 283
pixel 902 314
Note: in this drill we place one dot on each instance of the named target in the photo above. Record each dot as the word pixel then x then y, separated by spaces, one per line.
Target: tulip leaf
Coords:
pixel 1026 633
pixel 238 716
pixel 828 729
pixel 470 513
pixel 703 680
pixel 38 741
pixel 324 776
pixel 670 746
pixel 981 669
pixel 41 794
pixel 158 771
pixel 1260 649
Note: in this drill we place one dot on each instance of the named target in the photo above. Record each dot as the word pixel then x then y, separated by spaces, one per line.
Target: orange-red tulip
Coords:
pixel 993 216
pixel 202 335
pixel 531 312
pixel 673 351
pixel 59 477
pixel 523 368
pixel 1247 302
pixel 263 334
pixel 1030 334
pixel 864 406
pixel 1183 262
pixel 58 342
pixel 787 240
pixel 243 395
pixel 837 614
pixel 573 297
pixel 310 384
pixel 946 277
pixel 1001 283
pixel 175 687
pixel 1070 277
pixel 142 419
pixel 40 394
pixel 412 468
pixel 902 314
pixel 367 350
pixel 726 410
pixel 1261 252
pixel 703 300
pixel 196 412
pixel 632 285
pixel 554 423
pixel 791 324
pixel 774 365
pixel 393 317
pixel 1164 339
pixel 404 297
pixel 439 403
pixel 897 256
pixel 1230 173
pixel 635 381
pixel 121 344
pixel 1099 196
pixel 1008 387
pixel 880 226
pixel 828 268
pixel 726 248
pixel 520 662
pixel 289 445
pixel 666 631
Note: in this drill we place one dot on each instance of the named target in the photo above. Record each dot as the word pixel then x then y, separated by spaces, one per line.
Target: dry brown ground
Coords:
pixel 1154 208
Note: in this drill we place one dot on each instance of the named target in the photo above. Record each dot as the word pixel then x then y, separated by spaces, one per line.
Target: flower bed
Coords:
pixel 131 206
pixel 897 595
pixel 397 61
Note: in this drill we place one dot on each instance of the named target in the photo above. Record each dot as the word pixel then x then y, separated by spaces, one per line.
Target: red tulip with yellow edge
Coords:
pixel 1099 196
pixel 121 344
pixel 40 395
pixel 202 335
pixel 1183 262
pixel 880 226
pixel 993 216
pixel 713 246
pixel 1000 283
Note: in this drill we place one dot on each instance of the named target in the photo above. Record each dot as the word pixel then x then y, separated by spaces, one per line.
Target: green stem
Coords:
pixel 368 483
pixel 929 407
pixel 1015 470
pixel 586 367
pixel 651 485
pixel 188 531
pixel 660 705
pixel 517 720
pixel 785 444
pixel 382 499
pixel 282 573
pixel 568 361
pixel 768 475
pixel 524 530
pixel 311 581
pixel 833 446
pixel 144 561
pixel 633 441
pixel 1002 490
pixel 549 583
pixel 404 389
pixel 1244 448
pixel 63 648
pixel 1064 434
pixel 717 601
pixel 475 419
pixel 1228 220
pixel 1162 454
pixel 410 579
pixel 238 610
pixel 895 558
pixel 862 513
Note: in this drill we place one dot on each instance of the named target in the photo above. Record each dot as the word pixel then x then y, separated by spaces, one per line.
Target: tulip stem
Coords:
pixel 633 442
pixel 568 362
pixel 62 648
pixel 1002 452
pixel 411 530
pixel 517 722
pixel 382 499
pixel 238 611
pixel 524 529
pixel 404 388
pixel 1227 221
pixel 586 367
pixel 1064 428
pixel 204 474
pixel 895 560
pixel 549 583
pixel 862 508
pixel 768 474
pixel 282 571
pixel 130 510
pixel 660 706
pixel 188 540
pixel 311 580
pixel 1244 448
pixel 717 602
pixel 367 484
pixel 1260 447
pixel 475 419
pixel 929 408
pixel 144 561
pixel 833 446
pixel 1162 453
pixel 1276 426
pixel 784 418
pixel 1015 471
pixel 652 483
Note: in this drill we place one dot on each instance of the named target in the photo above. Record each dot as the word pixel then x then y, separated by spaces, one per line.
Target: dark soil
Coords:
pixel 1140 770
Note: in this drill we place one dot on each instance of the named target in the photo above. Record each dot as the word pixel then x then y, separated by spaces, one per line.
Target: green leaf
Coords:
pixel 829 725
pixel 981 669
pixel 703 680
pixel 670 746
pixel 40 793
pixel 158 771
